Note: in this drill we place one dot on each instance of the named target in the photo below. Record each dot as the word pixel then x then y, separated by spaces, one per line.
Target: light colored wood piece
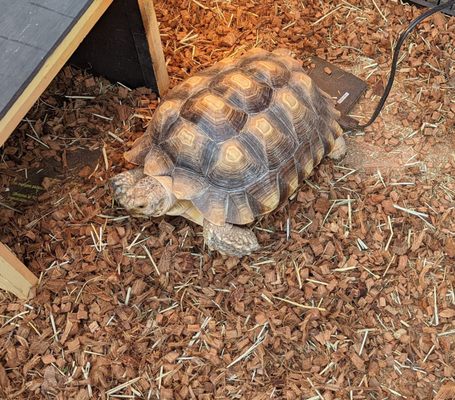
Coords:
pixel 14 276
pixel 155 47
pixel 51 67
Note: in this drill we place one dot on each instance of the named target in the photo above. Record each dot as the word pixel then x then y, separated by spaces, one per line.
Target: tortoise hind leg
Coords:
pixel 339 149
pixel 229 239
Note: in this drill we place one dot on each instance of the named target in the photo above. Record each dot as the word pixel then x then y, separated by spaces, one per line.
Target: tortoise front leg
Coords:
pixel 230 240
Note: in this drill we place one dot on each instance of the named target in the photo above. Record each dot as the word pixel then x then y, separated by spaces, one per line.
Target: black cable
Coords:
pixel 396 54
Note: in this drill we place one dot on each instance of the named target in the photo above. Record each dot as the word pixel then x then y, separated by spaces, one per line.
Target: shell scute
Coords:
pixel 189 87
pixel 237 138
pixel 243 91
pixel 164 117
pixel 288 107
pixel 187 184
pixel 285 56
pixel 272 72
pixel 140 149
pixel 304 159
pixel 212 204
pixel 322 112
pixel 275 137
pixel 213 115
pixel 288 179
pixel 264 195
pixel 234 165
pixel 157 162
pixel 238 208
pixel 188 146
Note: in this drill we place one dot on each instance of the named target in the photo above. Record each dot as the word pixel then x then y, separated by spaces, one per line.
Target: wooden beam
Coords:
pixel 122 54
pixel 154 40
pixel 14 276
pixel 51 67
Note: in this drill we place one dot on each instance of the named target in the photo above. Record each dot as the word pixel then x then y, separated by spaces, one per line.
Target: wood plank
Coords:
pixel 155 45
pixel 124 55
pixel 29 32
pixel 51 67
pixel 71 8
pixel 121 55
pixel 14 276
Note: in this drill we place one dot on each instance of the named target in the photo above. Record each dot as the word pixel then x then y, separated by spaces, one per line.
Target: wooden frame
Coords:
pixel 50 68
pixel 131 53
pixel 14 276
pixel 155 46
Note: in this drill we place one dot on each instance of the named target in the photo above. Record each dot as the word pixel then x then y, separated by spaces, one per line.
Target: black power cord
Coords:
pixel 396 54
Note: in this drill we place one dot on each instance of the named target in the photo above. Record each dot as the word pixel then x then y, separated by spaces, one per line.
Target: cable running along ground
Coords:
pixel 396 54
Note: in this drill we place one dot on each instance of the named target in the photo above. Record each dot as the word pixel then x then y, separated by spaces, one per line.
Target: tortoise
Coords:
pixel 229 144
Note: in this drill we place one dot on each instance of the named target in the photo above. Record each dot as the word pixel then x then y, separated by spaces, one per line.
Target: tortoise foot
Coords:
pixel 339 150
pixel 230 240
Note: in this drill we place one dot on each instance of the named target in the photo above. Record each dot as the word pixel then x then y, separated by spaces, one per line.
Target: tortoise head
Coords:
pixel 141 196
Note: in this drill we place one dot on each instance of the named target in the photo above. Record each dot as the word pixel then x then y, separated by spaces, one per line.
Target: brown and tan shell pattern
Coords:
pixel 239 137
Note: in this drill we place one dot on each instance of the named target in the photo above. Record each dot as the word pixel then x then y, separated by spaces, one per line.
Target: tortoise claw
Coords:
pixel 230 240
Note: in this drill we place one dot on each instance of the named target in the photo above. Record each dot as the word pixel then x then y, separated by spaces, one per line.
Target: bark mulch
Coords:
pixel 352 295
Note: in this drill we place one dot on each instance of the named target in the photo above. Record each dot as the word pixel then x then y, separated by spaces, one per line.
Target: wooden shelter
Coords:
pixel 38 37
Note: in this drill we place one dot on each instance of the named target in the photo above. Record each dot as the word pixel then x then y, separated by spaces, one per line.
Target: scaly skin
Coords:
pixel 339 150
pixel 144 196
pixel 230 240
pixel 141 195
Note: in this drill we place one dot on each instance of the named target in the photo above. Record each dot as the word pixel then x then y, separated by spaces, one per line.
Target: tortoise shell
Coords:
pixel 237 139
